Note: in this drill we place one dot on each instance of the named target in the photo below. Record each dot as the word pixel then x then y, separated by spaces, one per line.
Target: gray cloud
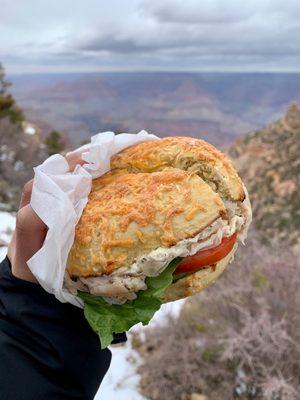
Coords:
pixel 119 45
pixel 217 11
pixel 195 12
pixel 144 34
pixel 255 36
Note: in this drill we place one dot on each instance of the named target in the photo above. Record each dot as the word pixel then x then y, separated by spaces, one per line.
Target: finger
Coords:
pixel 28 221
pixel 25 199
pixel 75 159
pixel 26 194
pixel 28 238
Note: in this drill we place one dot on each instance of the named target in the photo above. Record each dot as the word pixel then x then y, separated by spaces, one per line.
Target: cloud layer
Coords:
pixel 155 35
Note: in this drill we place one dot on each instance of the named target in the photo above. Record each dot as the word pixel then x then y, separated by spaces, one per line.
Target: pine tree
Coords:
pixel 8 107
pixel 54 143
pixel 4 84
pixel 19 152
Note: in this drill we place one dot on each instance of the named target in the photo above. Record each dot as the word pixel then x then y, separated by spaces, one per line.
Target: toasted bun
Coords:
pixel 156 194
pixel 130 214
pixel 198 281
pixel 188 154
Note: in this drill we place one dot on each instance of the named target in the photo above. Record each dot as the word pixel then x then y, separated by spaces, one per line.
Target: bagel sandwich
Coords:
pixel 170 214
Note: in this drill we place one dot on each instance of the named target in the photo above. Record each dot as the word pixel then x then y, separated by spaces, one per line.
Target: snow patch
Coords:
pixel 3 252
pixel 121 380
pixel 7 225
pixel 30 130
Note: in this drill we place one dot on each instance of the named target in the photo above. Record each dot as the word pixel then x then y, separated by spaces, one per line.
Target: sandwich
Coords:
pixel 161 225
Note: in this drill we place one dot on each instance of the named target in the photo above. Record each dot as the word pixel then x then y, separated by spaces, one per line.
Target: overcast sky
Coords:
pixel 195 35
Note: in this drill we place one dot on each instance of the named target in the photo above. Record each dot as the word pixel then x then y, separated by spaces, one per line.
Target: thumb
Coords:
pixel 29 221
pixel 28 238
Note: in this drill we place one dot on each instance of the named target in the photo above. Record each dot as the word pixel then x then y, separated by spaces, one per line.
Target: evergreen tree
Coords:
pixel 19 152
pixel 8 107
pixel 4 84
pixel 54 143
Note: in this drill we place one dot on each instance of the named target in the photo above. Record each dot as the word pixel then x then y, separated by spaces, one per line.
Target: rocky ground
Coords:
pixel 268 162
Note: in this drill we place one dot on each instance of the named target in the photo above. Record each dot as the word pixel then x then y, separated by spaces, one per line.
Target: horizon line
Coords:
pixel 150 71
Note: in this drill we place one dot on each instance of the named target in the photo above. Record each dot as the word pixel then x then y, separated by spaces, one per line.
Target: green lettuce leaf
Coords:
pixel 106 319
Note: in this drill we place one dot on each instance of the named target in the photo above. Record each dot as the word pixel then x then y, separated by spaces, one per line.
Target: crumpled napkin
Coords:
pixel 59 197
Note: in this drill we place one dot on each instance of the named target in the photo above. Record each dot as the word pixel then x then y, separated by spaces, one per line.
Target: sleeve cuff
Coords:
pixel 119 338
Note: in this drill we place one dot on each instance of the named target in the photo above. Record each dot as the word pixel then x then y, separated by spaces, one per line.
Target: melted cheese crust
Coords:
pixel 129 215
pixel 184 153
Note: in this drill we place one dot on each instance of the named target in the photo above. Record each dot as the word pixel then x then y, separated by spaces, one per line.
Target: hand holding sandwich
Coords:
pixel 39 335
pixel 31 231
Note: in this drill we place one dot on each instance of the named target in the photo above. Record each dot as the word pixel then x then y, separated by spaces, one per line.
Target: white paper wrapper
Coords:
pixel 59 197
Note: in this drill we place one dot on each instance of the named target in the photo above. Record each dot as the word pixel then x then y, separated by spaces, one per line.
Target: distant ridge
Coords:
pixel 217 107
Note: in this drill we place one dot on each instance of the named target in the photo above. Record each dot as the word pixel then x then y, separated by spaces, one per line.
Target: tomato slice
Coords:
pixel 207 257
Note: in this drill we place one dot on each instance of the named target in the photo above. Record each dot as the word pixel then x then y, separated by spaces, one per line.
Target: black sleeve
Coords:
pixel 47 348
